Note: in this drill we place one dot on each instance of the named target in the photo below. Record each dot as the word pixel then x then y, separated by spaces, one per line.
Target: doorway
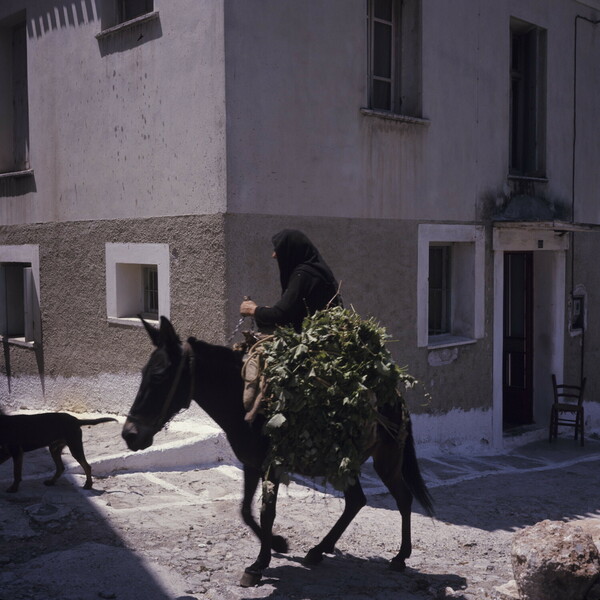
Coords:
pixel 529 324
pixel 517 379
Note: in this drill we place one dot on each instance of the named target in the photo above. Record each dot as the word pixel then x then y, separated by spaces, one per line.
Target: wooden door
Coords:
pixel 518 339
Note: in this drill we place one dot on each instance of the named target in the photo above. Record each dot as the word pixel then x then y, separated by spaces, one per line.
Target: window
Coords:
pixel 150 274
pixel 394 56
pixel 439 290
pixel 115 12
pixel 527 99
pixel 20 320
pixel 14 109
pixel 450 285
pixel 137 282
pixel 130 9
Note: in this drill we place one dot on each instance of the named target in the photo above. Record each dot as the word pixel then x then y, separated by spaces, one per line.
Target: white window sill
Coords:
pixel 390 116
pixel 18 341
pixel 448 341
pixel 15 174
pixel 131 321
pixel 127 25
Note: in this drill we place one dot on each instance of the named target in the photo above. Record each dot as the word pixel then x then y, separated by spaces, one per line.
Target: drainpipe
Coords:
pixel 593 22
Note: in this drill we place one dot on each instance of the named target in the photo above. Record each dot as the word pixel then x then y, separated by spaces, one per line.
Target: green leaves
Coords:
pixel 324 386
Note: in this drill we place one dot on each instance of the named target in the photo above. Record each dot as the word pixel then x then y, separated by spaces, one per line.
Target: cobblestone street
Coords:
pixel 173 533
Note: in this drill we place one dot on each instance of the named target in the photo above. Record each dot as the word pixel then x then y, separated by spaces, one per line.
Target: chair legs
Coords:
pixel 578 425
pixel 553 427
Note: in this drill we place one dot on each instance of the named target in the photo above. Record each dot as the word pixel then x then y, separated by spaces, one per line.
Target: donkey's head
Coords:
pixel 164 389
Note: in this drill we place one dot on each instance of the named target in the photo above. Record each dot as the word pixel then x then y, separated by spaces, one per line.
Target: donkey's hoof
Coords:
pixel 397 564
pixel 313 558
pixel 279 544
pixel 250 578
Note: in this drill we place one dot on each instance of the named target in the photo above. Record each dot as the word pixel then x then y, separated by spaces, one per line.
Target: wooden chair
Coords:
pixel 567 408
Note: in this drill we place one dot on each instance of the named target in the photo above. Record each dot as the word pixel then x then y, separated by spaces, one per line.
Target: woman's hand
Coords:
pixel 247 308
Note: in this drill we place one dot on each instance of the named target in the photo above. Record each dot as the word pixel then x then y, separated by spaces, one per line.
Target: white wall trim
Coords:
pixel 137 254
pixel 430 233
pixel 26 253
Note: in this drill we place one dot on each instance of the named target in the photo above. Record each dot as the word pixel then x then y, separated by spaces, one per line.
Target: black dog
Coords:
pixel 23 433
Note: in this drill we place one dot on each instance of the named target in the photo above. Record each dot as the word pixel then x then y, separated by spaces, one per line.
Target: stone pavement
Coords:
pixel 54 541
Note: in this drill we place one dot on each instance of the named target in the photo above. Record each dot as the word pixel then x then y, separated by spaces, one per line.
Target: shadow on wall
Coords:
pixel 50 15
pixel 39 359
pixel 17 186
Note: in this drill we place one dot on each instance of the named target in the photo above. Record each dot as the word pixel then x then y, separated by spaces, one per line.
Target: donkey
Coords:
pixel 178 373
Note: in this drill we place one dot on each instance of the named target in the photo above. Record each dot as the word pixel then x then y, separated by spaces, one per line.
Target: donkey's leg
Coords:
pixel 251 479
pixel 253 574
pixel 386 461
pixel 354 500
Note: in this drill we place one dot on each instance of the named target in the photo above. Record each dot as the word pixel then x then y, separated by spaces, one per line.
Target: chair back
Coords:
pixel 568 394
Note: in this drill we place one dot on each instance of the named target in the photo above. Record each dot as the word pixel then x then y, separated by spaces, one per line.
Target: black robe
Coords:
pixel 307 282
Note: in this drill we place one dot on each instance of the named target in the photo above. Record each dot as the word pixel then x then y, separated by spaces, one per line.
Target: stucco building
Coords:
pixel 444 156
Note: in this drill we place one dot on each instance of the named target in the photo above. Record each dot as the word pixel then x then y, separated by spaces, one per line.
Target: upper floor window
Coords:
pixel 527 99
pixel 130 9
pixel 14 104
pixel 116 12
pixel 394 56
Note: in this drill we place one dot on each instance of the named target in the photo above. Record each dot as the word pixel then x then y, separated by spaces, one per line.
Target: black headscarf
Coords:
pixel 294 250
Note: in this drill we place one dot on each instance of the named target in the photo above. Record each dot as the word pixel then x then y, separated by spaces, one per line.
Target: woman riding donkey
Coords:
pixel 307 285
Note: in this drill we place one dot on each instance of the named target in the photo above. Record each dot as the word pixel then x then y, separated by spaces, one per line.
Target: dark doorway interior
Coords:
pixel 518 339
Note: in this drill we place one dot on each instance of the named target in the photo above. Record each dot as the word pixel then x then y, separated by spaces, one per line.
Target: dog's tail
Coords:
pixel 83 422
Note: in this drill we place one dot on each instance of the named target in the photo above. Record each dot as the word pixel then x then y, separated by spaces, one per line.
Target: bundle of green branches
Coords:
pixel 324 387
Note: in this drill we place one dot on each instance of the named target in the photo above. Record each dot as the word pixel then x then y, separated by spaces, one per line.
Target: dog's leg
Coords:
pixel 17 456
pixel 75 445
pixel 56 449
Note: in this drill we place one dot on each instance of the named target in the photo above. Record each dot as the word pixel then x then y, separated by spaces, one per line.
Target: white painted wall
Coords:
pixel 298 144
pixel 135 129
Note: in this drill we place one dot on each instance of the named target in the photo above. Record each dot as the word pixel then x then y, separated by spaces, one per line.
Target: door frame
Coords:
pixel 516 237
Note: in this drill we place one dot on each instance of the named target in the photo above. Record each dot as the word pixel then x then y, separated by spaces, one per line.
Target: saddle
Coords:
pixel 254 382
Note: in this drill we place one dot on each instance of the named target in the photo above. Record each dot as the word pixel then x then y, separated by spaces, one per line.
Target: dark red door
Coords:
pixel 518 337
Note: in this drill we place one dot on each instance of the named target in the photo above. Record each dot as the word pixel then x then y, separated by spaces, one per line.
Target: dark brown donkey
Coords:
pixel 177 373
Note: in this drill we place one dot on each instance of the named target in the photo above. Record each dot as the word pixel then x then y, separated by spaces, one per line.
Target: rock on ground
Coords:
pixel 554 561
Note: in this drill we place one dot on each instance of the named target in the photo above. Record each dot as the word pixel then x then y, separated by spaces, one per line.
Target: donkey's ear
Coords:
pixel 168 337
pixel 153 332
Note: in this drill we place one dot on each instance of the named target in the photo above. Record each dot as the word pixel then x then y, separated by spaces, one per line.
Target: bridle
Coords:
pixel 187 357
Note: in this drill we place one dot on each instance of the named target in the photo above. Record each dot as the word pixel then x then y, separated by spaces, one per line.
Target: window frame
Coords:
pixel 527 121
pixel 125 282
pixel 467 287
pixel 14 97
pixel 405 61
pixel 112 15
pixel 26 256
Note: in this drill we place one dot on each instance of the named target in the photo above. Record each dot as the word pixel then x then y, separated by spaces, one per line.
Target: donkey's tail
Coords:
pixel 412 474
pixel 83 422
